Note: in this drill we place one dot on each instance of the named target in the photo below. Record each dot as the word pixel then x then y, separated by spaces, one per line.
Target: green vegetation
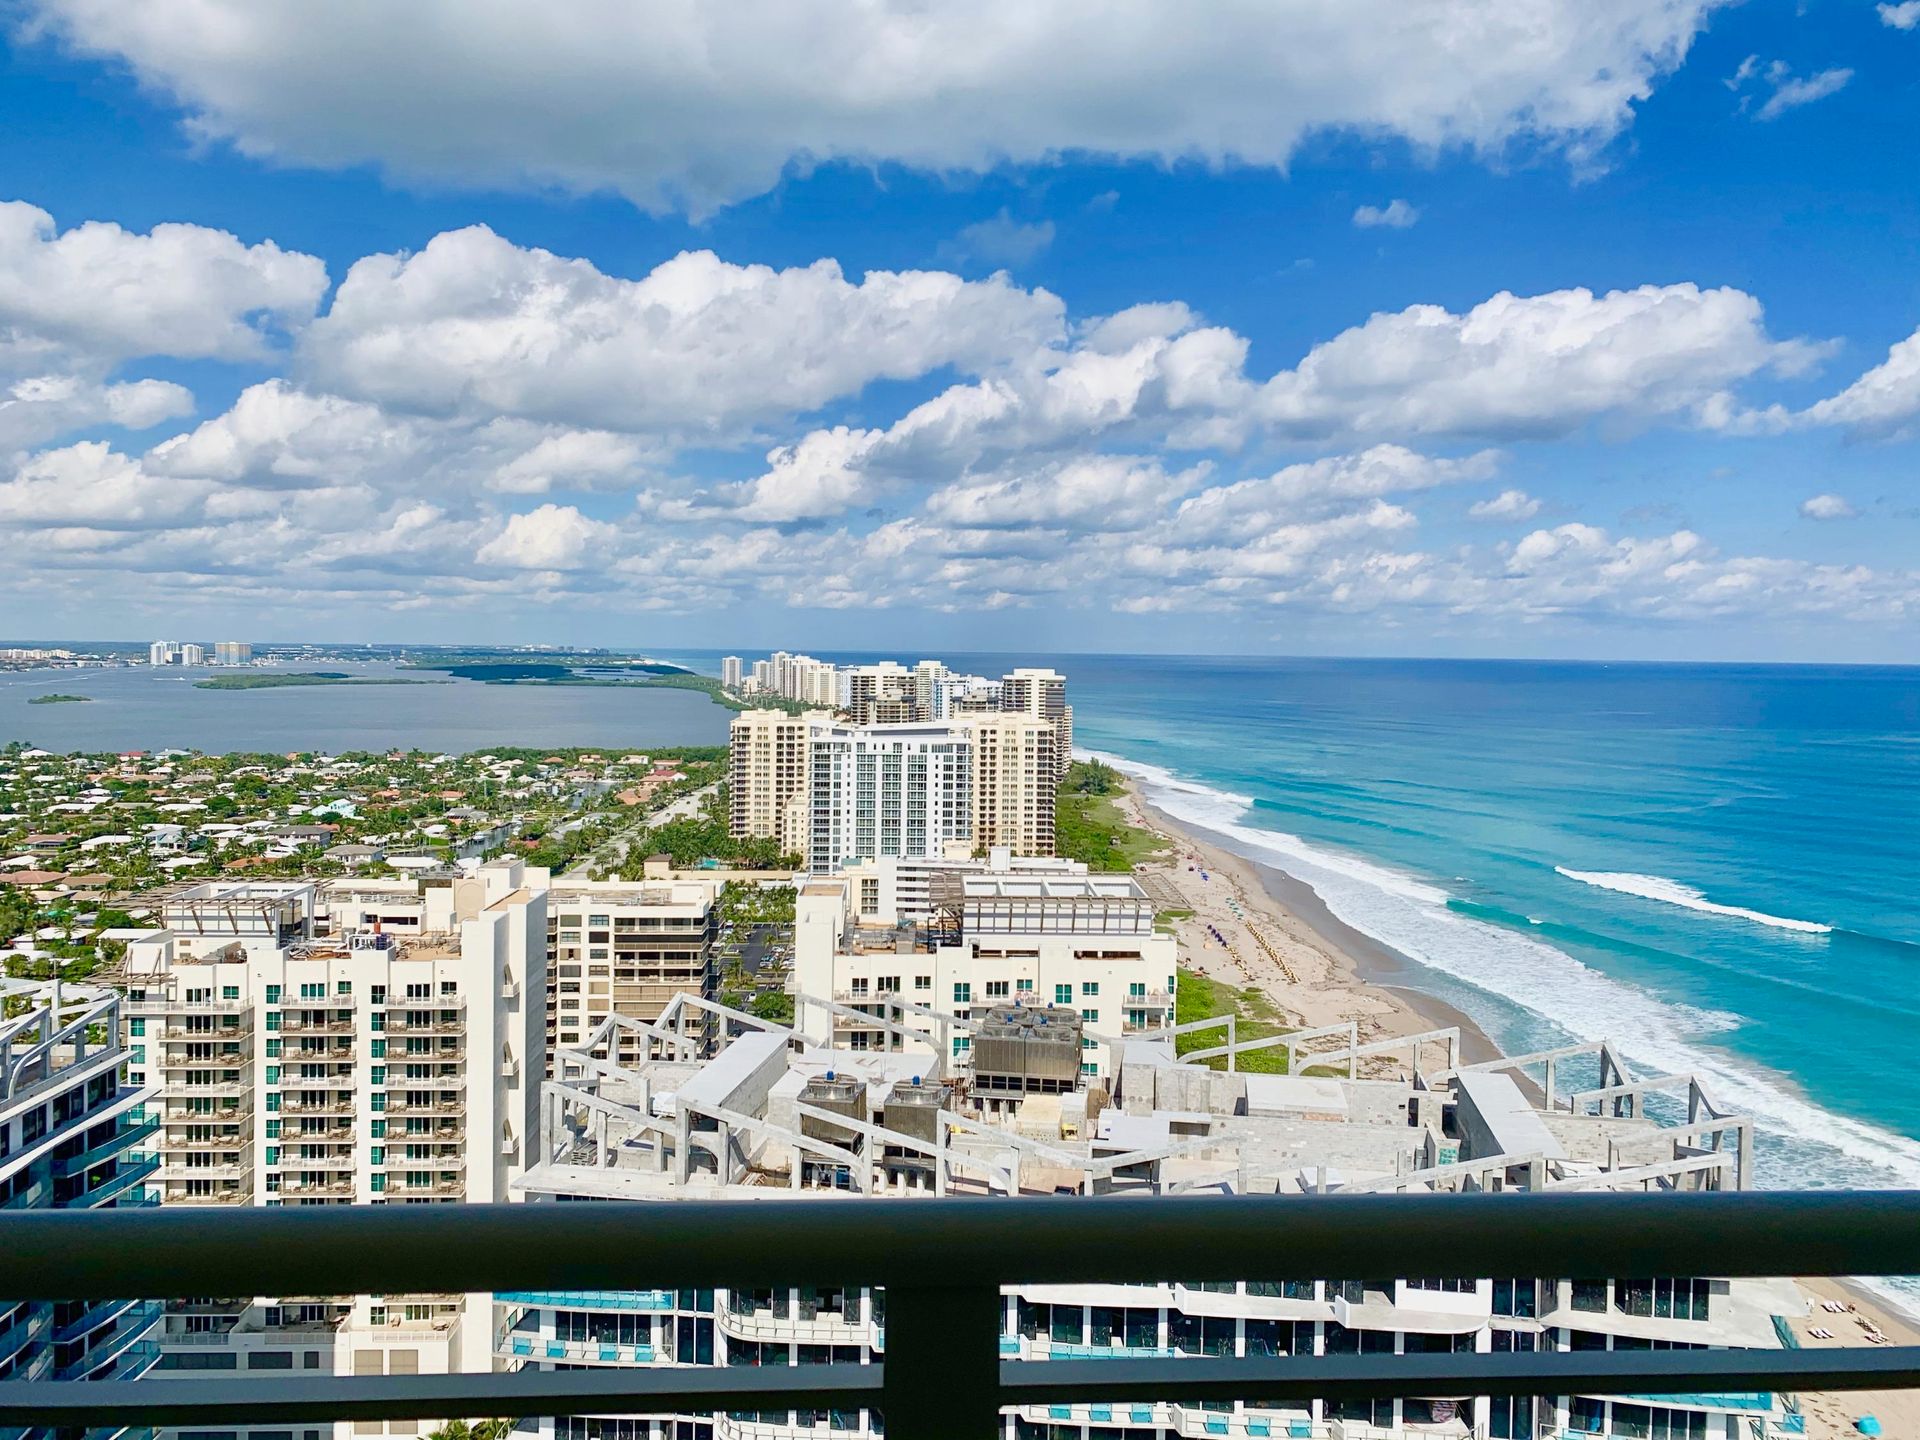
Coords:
pixel 55 698
pixel 556 670
pixel 745 904
pixel 1198 997
pixel 1088 826
pixel 277 680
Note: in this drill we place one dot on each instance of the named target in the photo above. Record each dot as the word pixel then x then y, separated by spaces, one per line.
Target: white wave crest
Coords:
pixel 1672 892
pixel 1803 1146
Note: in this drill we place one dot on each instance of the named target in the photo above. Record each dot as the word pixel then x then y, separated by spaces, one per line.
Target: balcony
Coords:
pixel 399 1105
pixel 943 1264
pixel 292 1023
pixel 401 1025
pixel 190 1032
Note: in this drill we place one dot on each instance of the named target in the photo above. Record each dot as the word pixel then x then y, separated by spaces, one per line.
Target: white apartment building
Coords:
pixel 886 790
pixel 767 775
pixel 758 1121
pixel 191 654
pixel 1015 780
pixel 73 1136
pixel 232 652
pixel 991 938
pixel 373 1046
pixel 731 672
pixel 161 652
pixel 896 889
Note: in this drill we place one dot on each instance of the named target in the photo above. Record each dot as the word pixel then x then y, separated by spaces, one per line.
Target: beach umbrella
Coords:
pixel 1867 1425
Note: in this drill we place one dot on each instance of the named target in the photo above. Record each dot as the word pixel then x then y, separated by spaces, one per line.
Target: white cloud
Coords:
pixel 687 102
pixel 91 484
pixel 554 537
pixel 1001 240
pixel 1904 16
pixel 570 459
pixel 1396 215
pixel 475 325
pixel 1316 488
pixel 44 407
pixel 1789 91
pixel 1507 505
pixel 1094 492
pixel 1827 507
pixel 1885 401
pixel 96 295
pixel 278 435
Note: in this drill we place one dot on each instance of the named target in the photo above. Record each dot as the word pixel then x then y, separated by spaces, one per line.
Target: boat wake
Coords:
pixel 1672 892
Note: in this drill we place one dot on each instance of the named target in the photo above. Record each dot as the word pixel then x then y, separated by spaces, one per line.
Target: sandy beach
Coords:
pixel 1316 970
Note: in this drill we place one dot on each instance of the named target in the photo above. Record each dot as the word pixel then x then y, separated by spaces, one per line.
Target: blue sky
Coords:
pixel 1336 326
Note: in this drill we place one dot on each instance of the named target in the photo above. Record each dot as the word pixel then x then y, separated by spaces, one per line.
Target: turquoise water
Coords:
pixel 1715 866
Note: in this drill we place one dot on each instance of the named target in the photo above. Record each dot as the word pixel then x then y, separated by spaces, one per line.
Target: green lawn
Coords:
pixel 1202 998
pixel 1088 826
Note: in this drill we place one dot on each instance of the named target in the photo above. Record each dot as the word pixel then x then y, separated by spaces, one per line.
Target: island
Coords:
pixel 55 698
pixel 277 680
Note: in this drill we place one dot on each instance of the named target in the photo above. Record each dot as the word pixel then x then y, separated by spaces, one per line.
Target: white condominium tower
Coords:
pixel 627 948
pixel 160 652
pixel 731 673
pixel 767 775
pixel 191 654
pixel 886 790
pixel 74 1132
pixel 1015 780
pixel 304 1053
pixel 1043 695
pixel 232 652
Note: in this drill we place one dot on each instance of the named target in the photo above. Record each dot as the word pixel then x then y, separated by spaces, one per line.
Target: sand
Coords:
pixel 1317 970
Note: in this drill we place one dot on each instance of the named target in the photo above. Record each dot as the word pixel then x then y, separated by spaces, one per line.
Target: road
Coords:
pixel 612 855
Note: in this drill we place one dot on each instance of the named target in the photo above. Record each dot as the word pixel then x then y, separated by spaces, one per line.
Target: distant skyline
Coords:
pixel 1317 327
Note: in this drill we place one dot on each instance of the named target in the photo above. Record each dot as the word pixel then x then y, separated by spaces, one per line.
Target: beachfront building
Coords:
pixel 895 889
pixel 1043 695
pixel 74 1134
pixel 771 1115
pixel 1015 780
pixel 232 652
pixel 767 775
pixel 731 672
pixel 161 652
pixel 359 1046
pixel 886 790
pixel 1083 945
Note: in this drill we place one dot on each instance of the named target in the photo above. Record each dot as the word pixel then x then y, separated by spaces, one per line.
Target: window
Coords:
pixel 273 994
pixel 1089 987
pixel 1063 994
pixel 273 1129
pixel 378 1049
pixel 996 989
pixel 377 1075
pixel 314 990
pixel 1137 990
pixel 229 992
pixel 343 987
pixel 923 982
pixel 962 993
pixel 379 1129
pixel 273 1074
pixel 1590 1295
pixel 1092 1017
pixel 136 1027
pixel 273 1049
pixel 377 994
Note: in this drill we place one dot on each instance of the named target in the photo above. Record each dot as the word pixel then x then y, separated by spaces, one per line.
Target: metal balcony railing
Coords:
pixel 943 1263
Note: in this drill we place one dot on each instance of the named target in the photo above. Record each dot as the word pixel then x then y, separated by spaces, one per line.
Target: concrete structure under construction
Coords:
pixel 772 1115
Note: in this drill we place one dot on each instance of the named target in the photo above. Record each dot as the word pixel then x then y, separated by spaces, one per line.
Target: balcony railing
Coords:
pixel 943 1263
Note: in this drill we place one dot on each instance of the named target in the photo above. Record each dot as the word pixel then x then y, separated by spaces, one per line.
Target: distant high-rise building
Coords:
pixel 731 672
pixel 1015 781
pixel 232 652
pixel 1043 695
pixel 868 691
pixel 191 654
pixel 886 790
pixel 160 652
pixel 767 774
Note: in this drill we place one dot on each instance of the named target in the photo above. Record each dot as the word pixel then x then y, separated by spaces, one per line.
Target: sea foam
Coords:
pixel 1672 892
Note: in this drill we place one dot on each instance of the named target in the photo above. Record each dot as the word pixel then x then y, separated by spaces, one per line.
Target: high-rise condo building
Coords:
pixel 767 775
pixel 1015 780
pixel 232 652
pixel 75 1133
pixel 730 672
pixel 160 652
pixel 628 948
pixel 870 692
pixel 191 654
pixel 339 1045
pixel 886 790
pixel 1043 695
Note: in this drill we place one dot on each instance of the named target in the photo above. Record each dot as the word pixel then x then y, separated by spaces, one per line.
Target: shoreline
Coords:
pixel 1341 974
